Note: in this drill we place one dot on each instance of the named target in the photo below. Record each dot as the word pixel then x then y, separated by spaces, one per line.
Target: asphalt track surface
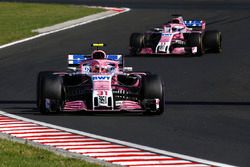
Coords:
pixel 208 98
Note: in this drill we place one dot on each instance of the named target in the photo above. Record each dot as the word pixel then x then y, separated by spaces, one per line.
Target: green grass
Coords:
pixel 17 20
pixel 14 154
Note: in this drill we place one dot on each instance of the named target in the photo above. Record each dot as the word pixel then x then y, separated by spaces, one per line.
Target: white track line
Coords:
pixel 133 147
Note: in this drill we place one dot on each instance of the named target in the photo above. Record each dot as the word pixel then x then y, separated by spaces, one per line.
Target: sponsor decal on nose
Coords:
pixel 101 78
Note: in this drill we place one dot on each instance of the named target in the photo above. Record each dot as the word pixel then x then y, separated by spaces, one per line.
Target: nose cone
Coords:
pixel 101 82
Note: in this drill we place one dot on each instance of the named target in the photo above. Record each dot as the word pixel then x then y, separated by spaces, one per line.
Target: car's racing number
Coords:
pixel 102 93
pixel 103 99
pixel 162 47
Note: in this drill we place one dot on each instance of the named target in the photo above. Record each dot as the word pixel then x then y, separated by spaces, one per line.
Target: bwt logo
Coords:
pixel 101 78
pixel 168 35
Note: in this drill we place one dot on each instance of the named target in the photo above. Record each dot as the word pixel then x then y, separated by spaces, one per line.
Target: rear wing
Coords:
pixel 195 24
pixel 75 60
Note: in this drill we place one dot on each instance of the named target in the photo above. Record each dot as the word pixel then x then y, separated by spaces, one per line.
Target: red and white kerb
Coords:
pixel 88 146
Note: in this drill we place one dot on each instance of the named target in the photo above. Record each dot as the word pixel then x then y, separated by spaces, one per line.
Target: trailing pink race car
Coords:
pixel 99 82
pixel 177 37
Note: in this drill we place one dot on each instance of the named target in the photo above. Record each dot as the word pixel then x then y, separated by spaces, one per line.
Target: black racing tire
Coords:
pixel 136 43
pixel 134 51
pixel 195 39
pixel 212 41
pixel 136 40
pixel 147 41
pixel 152 87
pixel 53 87
pixel 41 75
pixel 49 86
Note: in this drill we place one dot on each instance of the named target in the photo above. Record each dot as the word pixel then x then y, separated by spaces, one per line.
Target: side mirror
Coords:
pixel 157 29
pixel 127 69
pixel 72 68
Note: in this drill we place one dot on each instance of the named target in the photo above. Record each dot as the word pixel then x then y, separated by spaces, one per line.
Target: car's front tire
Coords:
pixel 212 41
pixel 153 88
pixel 195 40
pixel 136 43
pixel 49 92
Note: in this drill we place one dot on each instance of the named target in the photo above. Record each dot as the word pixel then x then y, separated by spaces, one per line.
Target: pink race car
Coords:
pixel 177 37
pixel 99 82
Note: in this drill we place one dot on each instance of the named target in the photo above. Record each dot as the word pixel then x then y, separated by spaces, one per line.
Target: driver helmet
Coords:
pixel 98 54
pixel 176 21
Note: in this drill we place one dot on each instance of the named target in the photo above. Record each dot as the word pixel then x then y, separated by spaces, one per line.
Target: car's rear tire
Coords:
pixel 50 87
pixel 212 41
pixel 152 88
pixel 136 42
pixel 195 40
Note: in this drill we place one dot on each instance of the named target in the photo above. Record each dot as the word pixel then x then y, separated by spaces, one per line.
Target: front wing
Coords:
pixel 120 106
pixel 174 52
